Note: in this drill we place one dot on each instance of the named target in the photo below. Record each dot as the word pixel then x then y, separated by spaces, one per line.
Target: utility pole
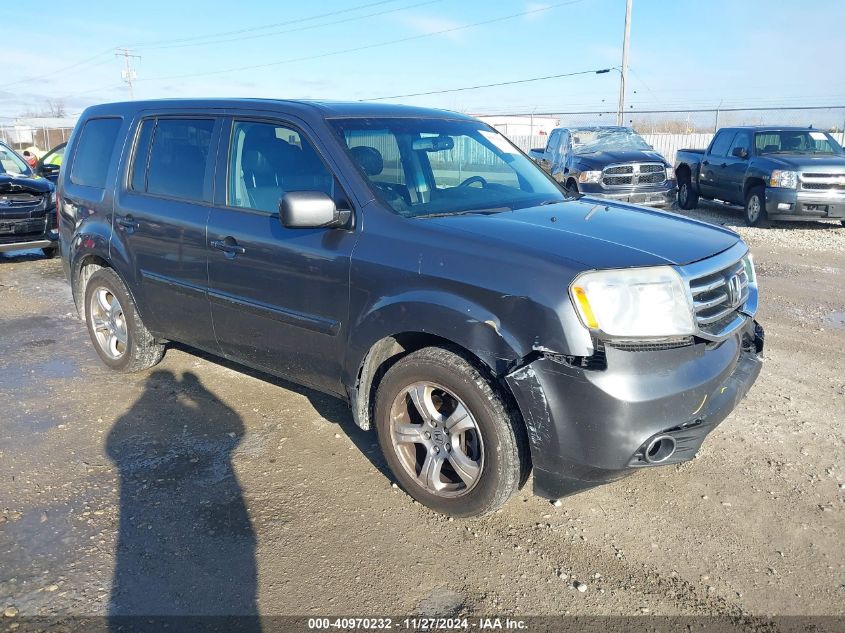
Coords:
pixel 620 114
pixel 128 73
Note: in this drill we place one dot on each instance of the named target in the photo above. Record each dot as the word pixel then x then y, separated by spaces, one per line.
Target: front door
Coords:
pixel 733 175
pixel 279 296
pixel 160 224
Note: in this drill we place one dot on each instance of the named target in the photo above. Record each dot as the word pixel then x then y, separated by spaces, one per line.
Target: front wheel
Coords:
pixel 115 327
pixel 450 439
pixel 755 206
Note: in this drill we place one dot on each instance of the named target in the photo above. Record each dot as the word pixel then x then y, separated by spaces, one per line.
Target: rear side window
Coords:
pixel 94 152
pixel 721 143
pixel 178 160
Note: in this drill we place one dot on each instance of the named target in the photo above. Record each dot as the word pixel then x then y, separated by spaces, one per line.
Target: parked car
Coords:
pixel 27 206
pixel 779 173
pixel 51 163
pixel 416 264
pixel 608 162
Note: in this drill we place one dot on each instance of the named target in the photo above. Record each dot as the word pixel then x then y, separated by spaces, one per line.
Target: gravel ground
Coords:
pixel 199 487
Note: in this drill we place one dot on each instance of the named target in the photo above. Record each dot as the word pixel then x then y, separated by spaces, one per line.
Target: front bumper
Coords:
pixel 30 230
pixel 798 204
pixel 591 426
pixel 664 196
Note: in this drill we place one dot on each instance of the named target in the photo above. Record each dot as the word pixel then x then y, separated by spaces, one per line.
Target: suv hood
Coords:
pixel 11 183
pixel 595 233
pixel 602 159
pixel 808 162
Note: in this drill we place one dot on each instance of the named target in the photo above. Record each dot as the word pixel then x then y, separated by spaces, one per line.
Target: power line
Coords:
pixel 501 83
pixel 62 70
pixel 365 47
pixel 165 43
pixel 252 37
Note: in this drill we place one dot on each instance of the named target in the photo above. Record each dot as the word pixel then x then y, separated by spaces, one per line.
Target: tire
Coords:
pixel 572 188
pixel 50 252
pixel 490 449
pixel 755 206
pixel 120 338
pixel 687 195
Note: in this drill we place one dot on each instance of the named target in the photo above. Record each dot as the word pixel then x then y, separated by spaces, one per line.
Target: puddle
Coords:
pixel 20 375
pixel 835 320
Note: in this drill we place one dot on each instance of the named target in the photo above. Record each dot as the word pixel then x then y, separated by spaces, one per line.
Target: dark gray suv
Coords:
pixel 416 264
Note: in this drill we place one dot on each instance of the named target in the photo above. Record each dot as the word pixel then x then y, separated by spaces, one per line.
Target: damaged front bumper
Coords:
pixel 589 426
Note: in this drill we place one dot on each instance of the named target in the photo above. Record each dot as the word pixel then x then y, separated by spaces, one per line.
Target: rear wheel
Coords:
pixel 687 195
pixel 115 327
pixel 450 439
pixel 755 206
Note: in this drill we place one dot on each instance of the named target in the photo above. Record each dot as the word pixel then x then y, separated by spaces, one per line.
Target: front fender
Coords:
pixel 456 319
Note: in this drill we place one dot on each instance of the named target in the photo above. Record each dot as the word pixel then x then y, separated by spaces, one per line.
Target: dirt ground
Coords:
pixel 200 487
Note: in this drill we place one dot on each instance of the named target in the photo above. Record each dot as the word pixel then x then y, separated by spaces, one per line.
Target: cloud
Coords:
pixel 429 25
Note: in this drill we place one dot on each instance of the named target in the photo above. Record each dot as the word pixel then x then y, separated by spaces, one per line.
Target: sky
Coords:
pixel 683 53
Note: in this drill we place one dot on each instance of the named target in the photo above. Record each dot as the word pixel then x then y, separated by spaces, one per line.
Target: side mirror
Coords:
pixel 740 152
pixel 311 210
pixel 47 169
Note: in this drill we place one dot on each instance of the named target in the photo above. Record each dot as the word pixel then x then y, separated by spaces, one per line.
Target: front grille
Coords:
pixel 633 174
pixel 718 296
pixel 822 182
pixel 19 199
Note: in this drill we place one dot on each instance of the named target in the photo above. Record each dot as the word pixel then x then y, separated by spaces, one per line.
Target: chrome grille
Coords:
pixel 19 199
pixel 718 297
pixel 822 182
pixel 633 174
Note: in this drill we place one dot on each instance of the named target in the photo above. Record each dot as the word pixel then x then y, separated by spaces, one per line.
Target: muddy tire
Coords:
pixel 120 338
pixel 452 441
pixel 755 207
pixel 572 188
pixel 50 252
pixel 687 195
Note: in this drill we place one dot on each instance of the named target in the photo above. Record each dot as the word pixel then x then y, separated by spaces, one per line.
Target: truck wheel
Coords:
pixel 687 195
pixel 450 439
pixel 755 206
pixel 116 329
pixel 571 188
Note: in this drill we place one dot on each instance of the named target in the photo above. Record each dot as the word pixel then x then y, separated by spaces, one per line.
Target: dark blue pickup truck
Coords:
pixel 776 173
pixel 418 265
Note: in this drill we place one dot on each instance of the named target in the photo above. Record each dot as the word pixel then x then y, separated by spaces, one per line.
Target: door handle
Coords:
pixel 706 162
pixel 723 165
pixel 129 223
pixel 229 246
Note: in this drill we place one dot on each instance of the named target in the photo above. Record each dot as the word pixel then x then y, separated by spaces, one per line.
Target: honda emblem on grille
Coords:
pixel 734 291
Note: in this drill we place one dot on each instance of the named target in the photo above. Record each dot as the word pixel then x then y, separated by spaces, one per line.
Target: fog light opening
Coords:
pixel 659 449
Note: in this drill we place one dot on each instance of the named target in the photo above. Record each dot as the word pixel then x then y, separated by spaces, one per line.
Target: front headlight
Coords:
pixel 589 176
pixel 52 198
pixel 748 264
pixel 670 173
pixel 784 179
pixel 633 302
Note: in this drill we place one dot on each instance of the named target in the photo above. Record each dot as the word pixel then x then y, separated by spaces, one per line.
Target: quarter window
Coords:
pixel 267 160
pixel 179 159
pixel 94 152
pixel 138 179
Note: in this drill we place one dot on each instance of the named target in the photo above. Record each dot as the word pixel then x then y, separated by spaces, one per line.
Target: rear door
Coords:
pixel 713 165
pixel 160 222
pixel 279 296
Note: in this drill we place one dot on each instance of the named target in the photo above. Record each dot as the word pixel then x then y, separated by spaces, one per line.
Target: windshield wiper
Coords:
pixel 446 214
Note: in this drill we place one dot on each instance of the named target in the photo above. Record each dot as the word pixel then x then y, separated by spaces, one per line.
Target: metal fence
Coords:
pixel 24 136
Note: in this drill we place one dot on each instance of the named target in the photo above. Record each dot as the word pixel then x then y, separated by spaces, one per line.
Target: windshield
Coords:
pixel 11 163
pixel 590 141
pixel 796 142
pixel 424 167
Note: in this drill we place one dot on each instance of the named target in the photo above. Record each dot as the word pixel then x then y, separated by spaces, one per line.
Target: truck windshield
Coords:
pixel 796 142
pixel 591 141
pixel 425 167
